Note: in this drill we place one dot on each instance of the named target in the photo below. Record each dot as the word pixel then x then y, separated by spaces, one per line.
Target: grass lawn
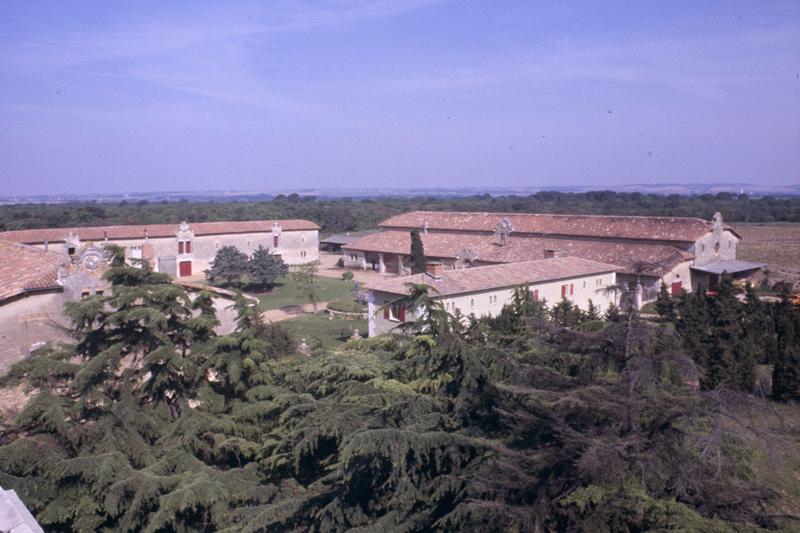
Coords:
pixel 285 292
pixel 318 329
pixel 649 308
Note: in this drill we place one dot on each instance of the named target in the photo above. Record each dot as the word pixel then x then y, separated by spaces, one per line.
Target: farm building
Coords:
pixel 648 250
pixel 483 291
pixel 186 249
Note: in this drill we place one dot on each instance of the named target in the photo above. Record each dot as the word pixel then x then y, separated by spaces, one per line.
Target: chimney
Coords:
pixel 425 227
pixel 434 269
pixel 550 253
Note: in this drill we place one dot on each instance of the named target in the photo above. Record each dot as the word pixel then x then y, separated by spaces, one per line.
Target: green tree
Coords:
pixel 786 372
pixel 228 267
pixel 429 315
pixel 664 304
pixel 264 268
pixel 592 313
pixel 418 261
pixel 305 276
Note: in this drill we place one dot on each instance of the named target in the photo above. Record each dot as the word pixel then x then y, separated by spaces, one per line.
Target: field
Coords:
pixel 776 245
pixel 285 293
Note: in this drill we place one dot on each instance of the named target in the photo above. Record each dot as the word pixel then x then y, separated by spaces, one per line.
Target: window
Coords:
pixel 598 281
pixel 180 247
pixel 216 245
pixel 571 289
pixel 471 303
pixel 564 290
pixel 302 253
pixel 584 284
pixel 275 241
pixel 535 294
pixel 303 240
pixel 397 312
pixel 353 257
pixel 188 247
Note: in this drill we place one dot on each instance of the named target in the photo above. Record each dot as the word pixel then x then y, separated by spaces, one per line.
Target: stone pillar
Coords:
pixel 381 264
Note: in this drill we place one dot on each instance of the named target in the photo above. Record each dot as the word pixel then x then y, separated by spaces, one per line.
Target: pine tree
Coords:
pixel 418 261
pixel 228 267
pixel 264 268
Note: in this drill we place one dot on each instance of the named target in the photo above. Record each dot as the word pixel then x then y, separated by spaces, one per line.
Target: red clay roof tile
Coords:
pixel 27 269
pixel 623 227
pixel 496 276
pixel 98 233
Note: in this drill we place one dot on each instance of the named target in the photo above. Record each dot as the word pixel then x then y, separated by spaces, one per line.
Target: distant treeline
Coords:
pixel 347 214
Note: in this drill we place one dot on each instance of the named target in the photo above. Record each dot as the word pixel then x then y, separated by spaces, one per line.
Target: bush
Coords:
pixel 346 305
pixel 347 276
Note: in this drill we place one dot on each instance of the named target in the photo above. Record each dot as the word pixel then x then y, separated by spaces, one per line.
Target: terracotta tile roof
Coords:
pixel 27 269
pixel 449 245
pixel 497 276
pixel 98 233
pixel 621 227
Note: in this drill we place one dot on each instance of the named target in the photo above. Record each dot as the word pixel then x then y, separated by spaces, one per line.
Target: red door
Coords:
pixel 677 287
pixel 185 268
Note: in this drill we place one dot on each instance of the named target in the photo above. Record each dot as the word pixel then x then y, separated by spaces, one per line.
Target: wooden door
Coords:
pixel 677 287
pixel 185 268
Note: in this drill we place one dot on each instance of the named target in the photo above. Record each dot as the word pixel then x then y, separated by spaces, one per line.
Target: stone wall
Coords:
pixel 29 320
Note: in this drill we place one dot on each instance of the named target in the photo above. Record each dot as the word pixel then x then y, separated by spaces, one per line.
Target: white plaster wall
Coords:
pixel 296 247
pixel 681 273
pixel 482 303
pixel 354 259
pixel 704 249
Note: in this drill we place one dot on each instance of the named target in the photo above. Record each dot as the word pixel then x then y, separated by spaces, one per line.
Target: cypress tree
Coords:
pixel 786 372
pixel 664 304
pixel 417 253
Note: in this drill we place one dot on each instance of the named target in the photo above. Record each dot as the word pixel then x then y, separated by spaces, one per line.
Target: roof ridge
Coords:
pixel 583 215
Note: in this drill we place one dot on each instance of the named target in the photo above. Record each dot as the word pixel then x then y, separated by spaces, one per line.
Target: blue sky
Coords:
pixel 122 97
